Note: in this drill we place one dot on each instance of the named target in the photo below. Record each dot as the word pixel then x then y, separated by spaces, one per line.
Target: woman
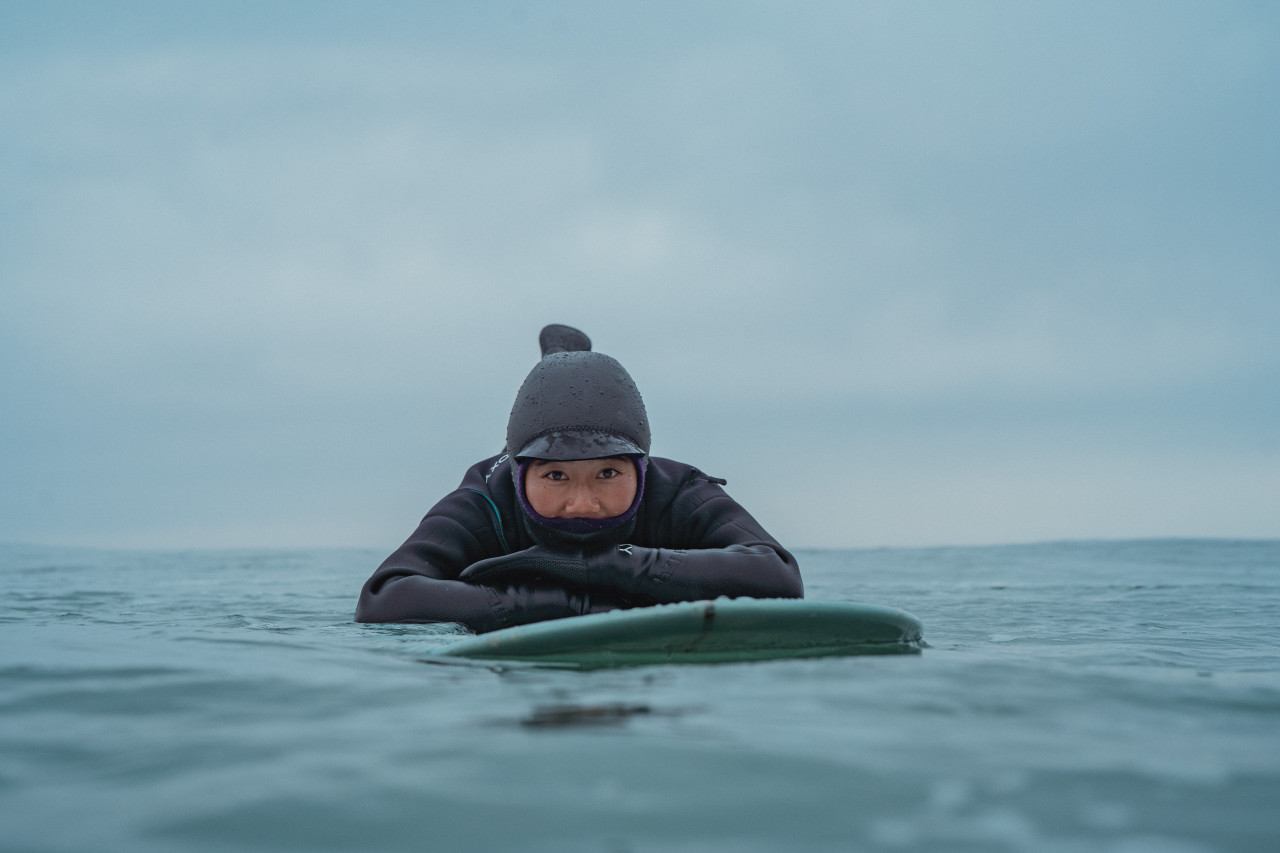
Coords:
pixel 575 517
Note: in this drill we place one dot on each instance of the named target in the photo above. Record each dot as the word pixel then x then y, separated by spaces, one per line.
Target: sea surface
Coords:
pixel 1090 696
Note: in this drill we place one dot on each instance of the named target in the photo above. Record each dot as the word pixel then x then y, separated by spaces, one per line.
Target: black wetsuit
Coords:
pixel 688 541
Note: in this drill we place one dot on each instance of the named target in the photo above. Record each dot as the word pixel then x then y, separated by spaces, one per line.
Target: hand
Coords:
pixel 526 565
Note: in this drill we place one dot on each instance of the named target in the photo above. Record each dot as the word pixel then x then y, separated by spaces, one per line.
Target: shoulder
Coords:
pixel 688 508
pixel 668 475
pixel 468 524
pixel 677 488
pixel 479 487
pixel 494 470
pixel 487 490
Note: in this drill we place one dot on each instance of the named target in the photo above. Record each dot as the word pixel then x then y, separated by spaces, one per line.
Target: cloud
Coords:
pixel 306 262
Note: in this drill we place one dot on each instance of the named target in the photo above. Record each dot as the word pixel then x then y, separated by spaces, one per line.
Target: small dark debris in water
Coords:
pixel 561 716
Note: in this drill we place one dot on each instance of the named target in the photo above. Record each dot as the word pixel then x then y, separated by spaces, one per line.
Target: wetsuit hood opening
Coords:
pixel 577 405
pixel 588 526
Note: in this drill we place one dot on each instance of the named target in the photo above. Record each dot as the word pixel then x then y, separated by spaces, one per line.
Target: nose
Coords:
pixel 582 501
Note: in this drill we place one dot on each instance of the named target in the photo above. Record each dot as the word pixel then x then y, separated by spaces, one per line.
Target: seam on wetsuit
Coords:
pixel 496 518
pixel 672 563
pixel 495 604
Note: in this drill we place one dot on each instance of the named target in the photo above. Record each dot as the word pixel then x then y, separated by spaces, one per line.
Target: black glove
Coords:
pixel 523 566
pixel 623 569
pixel 416 598
pixel 537 603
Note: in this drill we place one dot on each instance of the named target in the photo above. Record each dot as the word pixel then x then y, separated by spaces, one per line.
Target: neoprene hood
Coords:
pixel 577 405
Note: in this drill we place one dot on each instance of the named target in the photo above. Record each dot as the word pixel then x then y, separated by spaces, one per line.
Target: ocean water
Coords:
pixel 1104 696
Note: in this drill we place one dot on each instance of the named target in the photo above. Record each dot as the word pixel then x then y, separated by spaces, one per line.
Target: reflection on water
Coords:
pixel 562 716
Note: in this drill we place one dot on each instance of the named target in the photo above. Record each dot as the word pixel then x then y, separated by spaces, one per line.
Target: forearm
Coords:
pixel 665 575
pixel 415 598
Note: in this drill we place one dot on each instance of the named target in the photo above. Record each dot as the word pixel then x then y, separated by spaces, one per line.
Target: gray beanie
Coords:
pixel 577 405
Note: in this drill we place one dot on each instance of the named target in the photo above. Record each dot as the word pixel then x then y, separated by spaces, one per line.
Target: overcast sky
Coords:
pixel 903 273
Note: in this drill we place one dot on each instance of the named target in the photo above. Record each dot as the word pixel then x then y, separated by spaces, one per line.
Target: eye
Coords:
pixel 555 474
pixel 610 473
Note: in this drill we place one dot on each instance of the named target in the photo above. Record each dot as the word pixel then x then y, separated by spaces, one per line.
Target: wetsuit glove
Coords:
pixel 665 575
pixel 531 563
pixel 622 569
pixel 488 607
pixel 520 605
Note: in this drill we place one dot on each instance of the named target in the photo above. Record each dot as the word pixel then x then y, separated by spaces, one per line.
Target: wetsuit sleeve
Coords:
pixel 665 575
pixel 419 582
pixel 714 548
pixel 415 598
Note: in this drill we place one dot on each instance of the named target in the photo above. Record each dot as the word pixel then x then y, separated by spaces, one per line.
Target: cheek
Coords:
pixel 540 497
pixel 620 496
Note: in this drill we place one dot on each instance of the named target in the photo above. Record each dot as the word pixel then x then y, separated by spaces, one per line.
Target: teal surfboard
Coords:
pixel 720 631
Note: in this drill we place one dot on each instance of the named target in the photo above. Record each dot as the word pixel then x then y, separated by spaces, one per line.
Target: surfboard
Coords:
pixel 720 631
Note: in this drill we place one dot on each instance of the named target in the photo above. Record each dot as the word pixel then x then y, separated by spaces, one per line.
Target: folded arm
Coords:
pixel 652 575
pixel 415 598
pixel 419 582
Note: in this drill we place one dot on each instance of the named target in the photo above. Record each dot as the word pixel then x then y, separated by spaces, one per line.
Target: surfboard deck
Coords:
pixel 721 631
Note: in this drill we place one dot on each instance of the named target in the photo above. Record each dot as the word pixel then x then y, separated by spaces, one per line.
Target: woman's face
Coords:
pixel 582 488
